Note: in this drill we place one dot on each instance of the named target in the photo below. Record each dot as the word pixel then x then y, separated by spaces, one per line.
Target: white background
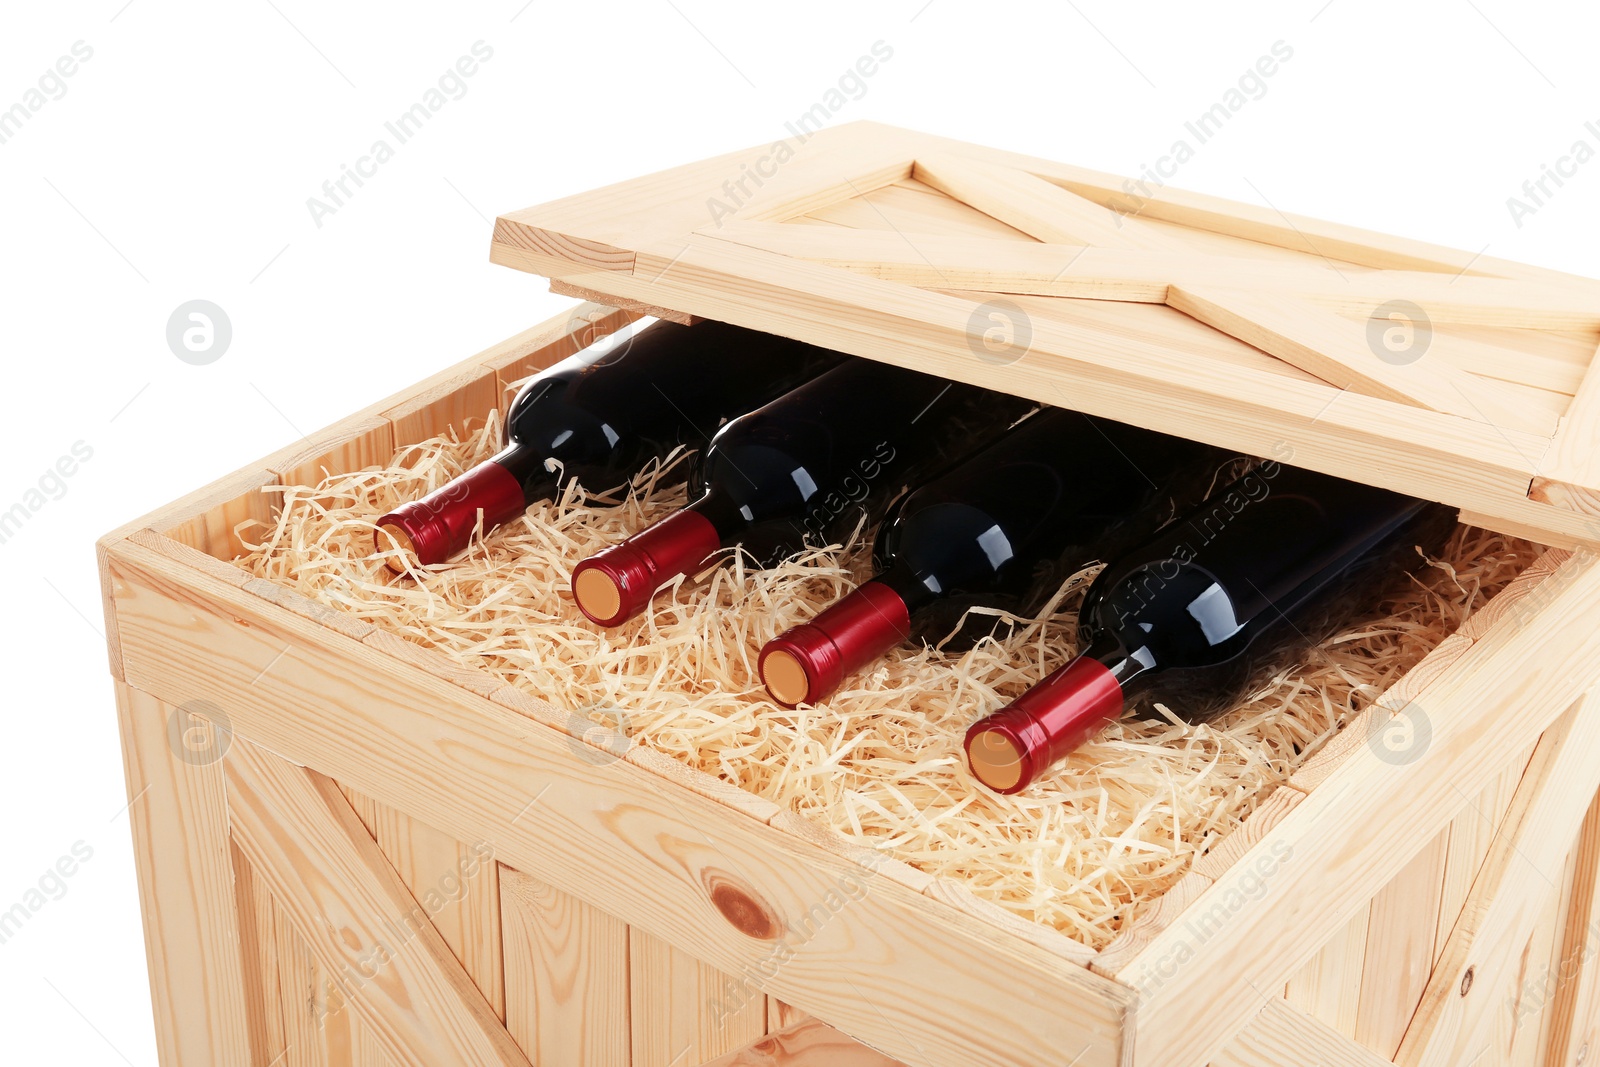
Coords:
pixel 179 160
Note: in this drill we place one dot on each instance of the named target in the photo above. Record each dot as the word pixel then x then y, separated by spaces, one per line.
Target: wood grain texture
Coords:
pixel 561 288
pixel 1569 475
pixel 363 927
pixel 257 961
pixel 1401 925
pixel 1036 207
pixel 684 1011
pixel 879 959
pixel 1281 1035
pixel 178 813
pixel 456 883
pixel 566 975
pixel 1472 833
pixel 1574 992
pixel 781 1016
pixel 350 446
pixel 805 1043
pixel 1328 987
pixel 1508 895
pixel 1339 351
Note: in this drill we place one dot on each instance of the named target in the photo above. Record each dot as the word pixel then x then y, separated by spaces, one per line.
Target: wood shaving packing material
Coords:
pixel 1084 850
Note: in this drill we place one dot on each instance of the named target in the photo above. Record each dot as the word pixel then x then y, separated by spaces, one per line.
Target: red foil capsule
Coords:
pixel 616 584
pixel 806 663
pixel 440 524
pixel 1012 747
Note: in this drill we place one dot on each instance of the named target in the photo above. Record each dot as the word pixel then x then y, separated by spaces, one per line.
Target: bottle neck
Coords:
pixel 616 584
pixel 1011 748
pixel 528 466
pixel 440 525
pixel 807 662
pixel 913 592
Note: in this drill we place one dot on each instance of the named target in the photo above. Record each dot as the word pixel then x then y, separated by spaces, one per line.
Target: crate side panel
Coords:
pixel 684 1011
pixel 1575 986
pixel 682 867
pixel 390 966
pixel 1328 987
pixel 455 883
pixel 804 1043
pixel 178 815
pixel 1399 955
pixel 566 975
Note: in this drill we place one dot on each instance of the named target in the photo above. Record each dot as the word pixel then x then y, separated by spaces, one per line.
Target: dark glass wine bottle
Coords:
pixel 1002 528
pixel 803 470
pixel 1195 616
pixel 599 417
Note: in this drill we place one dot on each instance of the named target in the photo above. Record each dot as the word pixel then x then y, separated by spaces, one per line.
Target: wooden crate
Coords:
pixel 353 852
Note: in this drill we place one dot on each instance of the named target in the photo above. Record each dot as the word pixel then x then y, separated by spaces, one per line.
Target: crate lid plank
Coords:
pixel 1425 369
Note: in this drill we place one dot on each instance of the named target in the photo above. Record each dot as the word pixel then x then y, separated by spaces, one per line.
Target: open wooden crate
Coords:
pixel 353 851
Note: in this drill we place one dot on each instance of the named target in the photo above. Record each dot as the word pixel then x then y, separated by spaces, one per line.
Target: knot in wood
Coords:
pixel 745 911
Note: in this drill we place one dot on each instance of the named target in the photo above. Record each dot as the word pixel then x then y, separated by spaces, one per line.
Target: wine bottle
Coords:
pixel 803 470
pixel 1001 528
pixel 1195 616
pixel 600 416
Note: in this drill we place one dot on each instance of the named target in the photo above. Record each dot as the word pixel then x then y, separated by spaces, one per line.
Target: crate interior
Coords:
pixel 1085 853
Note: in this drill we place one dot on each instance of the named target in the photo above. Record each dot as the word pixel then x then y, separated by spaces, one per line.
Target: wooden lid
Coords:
pixel 1422 369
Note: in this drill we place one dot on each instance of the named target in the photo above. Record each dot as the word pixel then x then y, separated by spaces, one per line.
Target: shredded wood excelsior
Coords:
pixel 1083 850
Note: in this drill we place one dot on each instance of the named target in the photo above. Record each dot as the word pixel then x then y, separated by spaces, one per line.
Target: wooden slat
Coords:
pixel 1401 924
pixel 1368 815
pixel 1569 476
pixel 1280 1035
pixel 1001 265
pixel 374 940
pixel 178 814
pixel 1035 206
pixel 781 1016
pixel 1328 987
pixel 368 442
pixel 1508 895
pixel 680 866
pixel 909 207
pixel 684 1011
pixel 1575 992
pixel 1472 834
pixel 1337 350
pixel 807 1043
pixel 566 967
pixel 561 288
pixel 1532 1036
pixel 309 1003
pixel 456 883
pixel 257 941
